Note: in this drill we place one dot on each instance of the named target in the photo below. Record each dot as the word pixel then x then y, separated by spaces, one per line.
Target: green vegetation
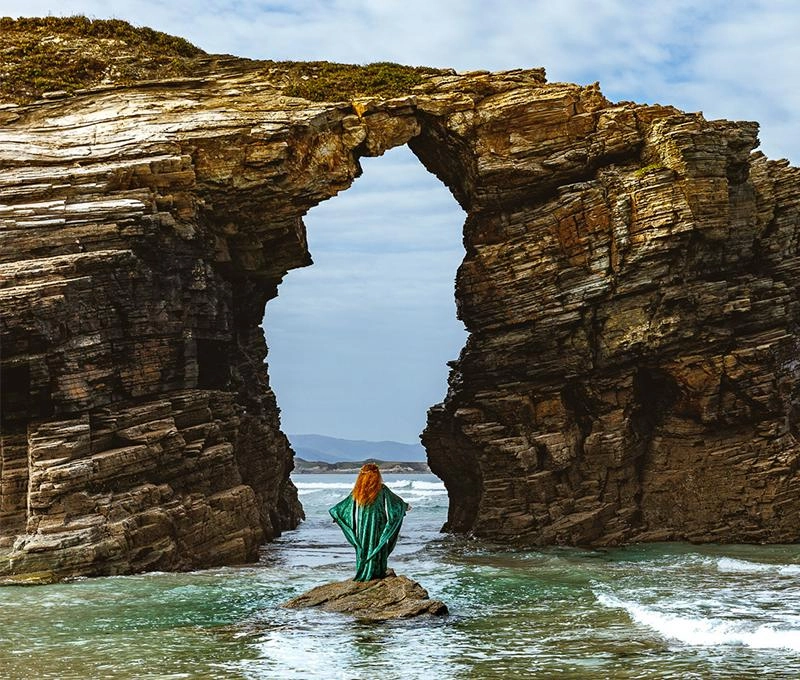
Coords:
pixel 55 53
pixel 327 81
pixel 52 54
pixel 653 167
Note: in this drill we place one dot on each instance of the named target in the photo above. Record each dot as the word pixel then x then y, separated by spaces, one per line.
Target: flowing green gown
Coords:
pixel 371 529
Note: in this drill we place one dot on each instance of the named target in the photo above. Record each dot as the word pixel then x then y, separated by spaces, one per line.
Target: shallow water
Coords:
pixel 655 611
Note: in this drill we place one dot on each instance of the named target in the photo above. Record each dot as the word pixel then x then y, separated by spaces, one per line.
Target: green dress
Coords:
pixel 371 529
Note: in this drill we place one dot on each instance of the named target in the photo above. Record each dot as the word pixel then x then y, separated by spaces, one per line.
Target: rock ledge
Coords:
pixel 393 597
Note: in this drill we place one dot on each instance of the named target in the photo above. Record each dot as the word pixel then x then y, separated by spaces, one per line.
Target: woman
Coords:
pixel 370 519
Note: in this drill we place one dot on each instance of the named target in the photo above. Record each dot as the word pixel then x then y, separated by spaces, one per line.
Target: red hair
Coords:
pixel 368 485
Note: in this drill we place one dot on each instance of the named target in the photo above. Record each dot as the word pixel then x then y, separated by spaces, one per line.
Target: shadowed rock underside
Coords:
pixel 629 285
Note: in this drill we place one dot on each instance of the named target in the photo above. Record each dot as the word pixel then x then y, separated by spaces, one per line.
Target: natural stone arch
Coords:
pixel 359 342
pixel 629 288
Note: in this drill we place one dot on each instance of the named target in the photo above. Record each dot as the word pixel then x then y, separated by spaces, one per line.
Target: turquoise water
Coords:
pixel 656 611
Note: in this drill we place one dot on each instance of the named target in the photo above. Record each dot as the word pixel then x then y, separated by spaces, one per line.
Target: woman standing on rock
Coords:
pixel 370 519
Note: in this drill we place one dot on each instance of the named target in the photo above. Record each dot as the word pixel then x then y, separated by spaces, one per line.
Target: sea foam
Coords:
pixel 401 486
pixel 704 632
pixel 416 485
pixel 733 565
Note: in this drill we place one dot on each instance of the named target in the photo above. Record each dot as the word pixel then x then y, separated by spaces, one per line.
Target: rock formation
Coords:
pixel 393 597
pixel 630 286
pixel 631 289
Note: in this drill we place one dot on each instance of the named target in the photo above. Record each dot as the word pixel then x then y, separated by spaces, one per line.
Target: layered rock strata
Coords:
pixel 631 289
pixel 393 597
pixel 629 285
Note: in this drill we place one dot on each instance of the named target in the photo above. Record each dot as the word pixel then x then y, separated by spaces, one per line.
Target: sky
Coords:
pixel 358 342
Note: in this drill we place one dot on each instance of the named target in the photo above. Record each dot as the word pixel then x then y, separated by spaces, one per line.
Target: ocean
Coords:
pixel 643 611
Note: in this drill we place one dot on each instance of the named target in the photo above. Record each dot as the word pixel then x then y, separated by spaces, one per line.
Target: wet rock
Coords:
pixel 393 597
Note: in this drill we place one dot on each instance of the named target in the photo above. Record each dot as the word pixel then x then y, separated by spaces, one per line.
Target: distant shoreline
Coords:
pixel 316 467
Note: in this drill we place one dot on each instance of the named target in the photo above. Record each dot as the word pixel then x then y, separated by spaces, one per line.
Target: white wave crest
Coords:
pixel 412 494
pixel 415 485
pixel 438 486
pixel 316 486
pixel 406 488
pixel 732 565
pixel 401 484
pixel 703 632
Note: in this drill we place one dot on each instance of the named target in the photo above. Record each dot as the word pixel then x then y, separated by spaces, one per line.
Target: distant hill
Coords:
pixel 318 447
pixel 391 467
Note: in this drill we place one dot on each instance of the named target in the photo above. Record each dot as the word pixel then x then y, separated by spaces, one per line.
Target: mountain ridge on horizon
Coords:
pixel 319 447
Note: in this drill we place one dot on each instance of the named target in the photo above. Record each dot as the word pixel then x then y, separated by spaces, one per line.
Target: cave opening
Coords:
pixel 15 392
pixel 359 342
pixel 213 371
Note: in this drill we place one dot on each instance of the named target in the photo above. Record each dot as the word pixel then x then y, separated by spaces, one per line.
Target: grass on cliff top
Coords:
pixel 38 55
pixel 51 54
pixel 327 81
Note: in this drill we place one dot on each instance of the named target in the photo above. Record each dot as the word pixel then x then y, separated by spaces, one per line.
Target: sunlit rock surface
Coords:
pixel 629 285
pixel 393 597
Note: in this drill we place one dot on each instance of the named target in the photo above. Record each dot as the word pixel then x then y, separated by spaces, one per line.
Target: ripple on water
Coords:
pixel 668 610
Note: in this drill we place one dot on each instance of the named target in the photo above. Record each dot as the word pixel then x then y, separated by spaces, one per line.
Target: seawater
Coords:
pixel 645 611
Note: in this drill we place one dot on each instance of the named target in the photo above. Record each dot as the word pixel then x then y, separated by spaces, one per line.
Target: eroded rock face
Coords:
pixel 629 286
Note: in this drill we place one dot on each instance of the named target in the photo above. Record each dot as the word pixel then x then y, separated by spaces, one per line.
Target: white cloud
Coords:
pixel 358 342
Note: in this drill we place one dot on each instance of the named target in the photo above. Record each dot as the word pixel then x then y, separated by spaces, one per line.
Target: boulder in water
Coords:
pixel 393 597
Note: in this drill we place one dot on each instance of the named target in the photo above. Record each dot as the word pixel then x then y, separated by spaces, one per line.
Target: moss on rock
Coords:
pixel 65 54
pixel 328 81
pixel 38 55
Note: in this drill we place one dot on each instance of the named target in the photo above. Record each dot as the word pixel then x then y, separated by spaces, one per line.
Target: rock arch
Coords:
pixel 612 251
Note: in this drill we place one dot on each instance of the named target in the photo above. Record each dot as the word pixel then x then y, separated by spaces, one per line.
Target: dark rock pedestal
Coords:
pixel 393 597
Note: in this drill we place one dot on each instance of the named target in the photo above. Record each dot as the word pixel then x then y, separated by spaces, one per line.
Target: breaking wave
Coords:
pixel 315 486
pixel 416 485
pixel 411 487
pixel 733 565
pixel 699 631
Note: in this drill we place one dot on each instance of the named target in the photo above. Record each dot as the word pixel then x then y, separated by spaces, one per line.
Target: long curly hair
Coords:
pixel 368 485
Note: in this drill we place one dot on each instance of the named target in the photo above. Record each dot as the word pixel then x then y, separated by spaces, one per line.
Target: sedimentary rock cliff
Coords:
pixel 629 284
pixel 631 288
